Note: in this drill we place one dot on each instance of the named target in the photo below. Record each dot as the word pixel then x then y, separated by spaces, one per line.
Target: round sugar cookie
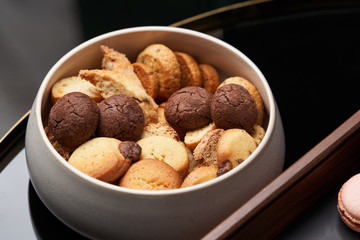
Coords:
pixel 151 174
pixel 200 175
pixel 100 158
pixel 166 150
pixel 234 147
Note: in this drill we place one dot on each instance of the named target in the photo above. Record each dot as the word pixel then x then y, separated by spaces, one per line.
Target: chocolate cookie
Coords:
pixel 189 108
pixel 130 150
pixel 121 117
pixel 73 119
pixel 232 106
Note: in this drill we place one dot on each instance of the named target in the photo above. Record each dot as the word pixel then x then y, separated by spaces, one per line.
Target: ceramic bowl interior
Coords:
pixel 51 174
pixel 205 50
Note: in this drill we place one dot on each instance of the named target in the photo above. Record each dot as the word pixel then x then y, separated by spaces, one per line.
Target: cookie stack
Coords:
pixel 161 122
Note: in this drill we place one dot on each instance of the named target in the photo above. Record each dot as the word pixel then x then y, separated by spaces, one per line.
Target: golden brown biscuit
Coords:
pixel 164 63
pixel 159 129
pixel 100 158
pixel 116 61
pixel 200 175
pixel 110 83
pixel 151 174
pixel 193 138
pixel 211 79
pixel 161 113
pixel 234 147
pixel 253 92
pixel 205 152
pixel 167 150
pixel 74 84
pixel 257 133
pixel 148 78
pixel 190 71
pixel 64 151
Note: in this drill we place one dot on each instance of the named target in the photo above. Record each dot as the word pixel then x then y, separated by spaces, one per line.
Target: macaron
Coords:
pixel 349 203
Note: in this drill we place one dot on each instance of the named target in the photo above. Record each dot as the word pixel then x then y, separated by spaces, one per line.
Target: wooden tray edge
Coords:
pixel 297 188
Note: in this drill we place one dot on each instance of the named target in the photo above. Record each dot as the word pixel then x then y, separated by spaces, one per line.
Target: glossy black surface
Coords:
pixel 310 60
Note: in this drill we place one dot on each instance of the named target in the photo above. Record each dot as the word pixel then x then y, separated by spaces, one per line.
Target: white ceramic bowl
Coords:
pixel 104 211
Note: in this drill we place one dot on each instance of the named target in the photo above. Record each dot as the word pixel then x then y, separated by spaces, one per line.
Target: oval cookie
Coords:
pixel 165 65
pixel 150 174
pixel 167 150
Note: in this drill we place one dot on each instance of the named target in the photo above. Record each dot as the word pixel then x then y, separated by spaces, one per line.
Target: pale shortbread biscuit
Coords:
pixel 193 138
pixel 167 150
pixel 164 63
pixel 234 147
pixel 200 175
pixel 151 174
pixel 110 83
pixel 159 129
pixel 257 133
pixel 205 152
pixel 211 78
pixel 74 84
pixel 148 78
pixel 100 158
pixel 253 92
pixel 190 71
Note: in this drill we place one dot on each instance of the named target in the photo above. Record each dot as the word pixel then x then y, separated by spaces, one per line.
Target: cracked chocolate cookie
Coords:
pixel 232 106
pixel 189 108
pixel 73 119
pixel 121 117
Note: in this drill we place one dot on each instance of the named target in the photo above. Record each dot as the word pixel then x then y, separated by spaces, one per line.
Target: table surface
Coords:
pixel 308 57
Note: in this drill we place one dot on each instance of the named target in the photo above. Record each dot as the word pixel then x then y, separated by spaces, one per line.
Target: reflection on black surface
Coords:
pixel 311 63
pixel 45 224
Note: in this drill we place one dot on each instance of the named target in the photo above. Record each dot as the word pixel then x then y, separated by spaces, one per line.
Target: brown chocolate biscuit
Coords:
pixel 130 150
pixel 73 119
pixel 253 92
pixel 190 71
pixel 189 108
pixel 121 117
pixel 232 106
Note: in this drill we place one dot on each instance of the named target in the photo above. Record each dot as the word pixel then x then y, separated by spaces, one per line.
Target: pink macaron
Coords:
pixel 349 203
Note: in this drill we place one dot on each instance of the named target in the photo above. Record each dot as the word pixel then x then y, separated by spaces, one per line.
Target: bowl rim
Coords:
pixel 115 188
